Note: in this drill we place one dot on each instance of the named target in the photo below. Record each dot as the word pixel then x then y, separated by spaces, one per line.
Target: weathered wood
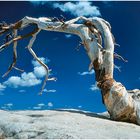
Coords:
pixel 99 42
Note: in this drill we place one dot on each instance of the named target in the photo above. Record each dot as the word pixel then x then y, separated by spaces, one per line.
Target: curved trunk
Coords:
pixel 122 105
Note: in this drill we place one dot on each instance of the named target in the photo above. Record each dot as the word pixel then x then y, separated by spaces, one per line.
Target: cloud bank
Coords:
pixel 82 8
pixel 76 8
pixel 27 79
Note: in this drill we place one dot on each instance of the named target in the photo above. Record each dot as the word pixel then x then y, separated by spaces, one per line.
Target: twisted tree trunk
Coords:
pixel 121 104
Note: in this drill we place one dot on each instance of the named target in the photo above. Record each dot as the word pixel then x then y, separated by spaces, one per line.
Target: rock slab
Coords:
pixel 63 124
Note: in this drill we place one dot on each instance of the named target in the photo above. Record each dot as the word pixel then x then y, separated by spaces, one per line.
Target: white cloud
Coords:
pixel 22 91
pixel 79 106
pixel 41 105
pixel 86 73
pixel 7 106
pixel 68 36
pixel 82 8
pixel 2 87
pixel 50 90
pixel 50 104
pixel 45 60
pixel 39 70
pixel 4 107
pixel 26 80
pixel 94 87
pixel 37 107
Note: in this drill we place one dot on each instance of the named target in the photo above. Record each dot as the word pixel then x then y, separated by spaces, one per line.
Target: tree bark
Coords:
pixel 121 104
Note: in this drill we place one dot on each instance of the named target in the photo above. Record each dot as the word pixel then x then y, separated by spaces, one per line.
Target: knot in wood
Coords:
pixel 88 23
pixel 106 83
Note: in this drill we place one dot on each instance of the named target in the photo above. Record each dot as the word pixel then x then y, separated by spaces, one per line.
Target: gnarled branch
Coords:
pixel 99 42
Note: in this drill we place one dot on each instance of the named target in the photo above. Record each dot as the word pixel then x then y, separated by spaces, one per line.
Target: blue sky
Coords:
pixel 75 87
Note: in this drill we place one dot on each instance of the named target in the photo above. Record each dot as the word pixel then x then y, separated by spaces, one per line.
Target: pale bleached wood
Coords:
pixel 99 42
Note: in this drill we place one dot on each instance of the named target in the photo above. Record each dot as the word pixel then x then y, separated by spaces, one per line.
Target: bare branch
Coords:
pixel 2 47
pixel 99 42
pixel 117 67
pixel 120 57
pixel 14 55
pixel 38 60
pixel 18 69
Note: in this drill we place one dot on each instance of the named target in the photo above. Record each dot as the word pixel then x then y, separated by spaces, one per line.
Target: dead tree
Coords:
pixel 98 42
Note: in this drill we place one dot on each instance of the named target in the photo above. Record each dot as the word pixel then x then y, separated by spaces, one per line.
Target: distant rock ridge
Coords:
pixel 63 124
